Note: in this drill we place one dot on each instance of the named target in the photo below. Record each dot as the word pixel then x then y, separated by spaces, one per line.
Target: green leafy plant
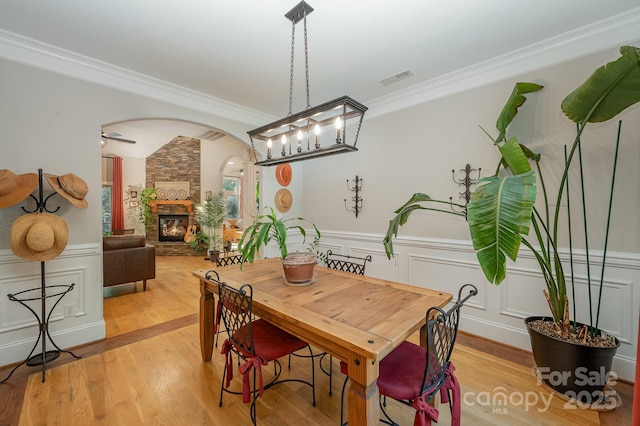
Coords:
pixel 268 227
pixel 210 215
pixel 502 209
pixel 200 242
pixel 144 214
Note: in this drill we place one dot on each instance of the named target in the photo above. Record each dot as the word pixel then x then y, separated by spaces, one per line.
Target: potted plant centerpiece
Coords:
pixel 210 215
pixel 502 211
pixel 297 266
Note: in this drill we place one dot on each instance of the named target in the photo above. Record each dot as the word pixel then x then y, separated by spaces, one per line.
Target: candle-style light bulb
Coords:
pixel 269 145
pixel 284 143
pixel 317 132
pixel 338 127
pixel 299 140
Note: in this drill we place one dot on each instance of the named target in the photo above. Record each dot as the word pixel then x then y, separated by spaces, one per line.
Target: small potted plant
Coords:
pixel 210 215
pixel 199 243
pixel 228 236
pixel 297 266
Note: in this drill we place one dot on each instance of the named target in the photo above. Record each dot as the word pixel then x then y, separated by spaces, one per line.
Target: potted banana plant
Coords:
pixel 503 211
pixel 297 266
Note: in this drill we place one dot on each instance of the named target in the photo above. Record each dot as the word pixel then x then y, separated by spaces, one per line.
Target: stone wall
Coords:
pixel 177 161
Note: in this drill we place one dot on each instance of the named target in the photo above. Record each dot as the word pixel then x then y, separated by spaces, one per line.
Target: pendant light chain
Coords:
pixel 306 60
pixel 306 63
pixel 293 38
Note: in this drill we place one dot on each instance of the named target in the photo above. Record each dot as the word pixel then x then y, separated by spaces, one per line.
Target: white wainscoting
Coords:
pixel 498 312
pixel 19 331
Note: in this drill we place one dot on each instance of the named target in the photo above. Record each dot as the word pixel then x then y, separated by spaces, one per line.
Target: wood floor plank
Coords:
pixel 149 371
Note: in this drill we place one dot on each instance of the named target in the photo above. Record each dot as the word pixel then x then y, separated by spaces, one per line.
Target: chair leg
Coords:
pixel 329 371
pixel 313 374
pixel 144 285
pixel 330 374
pixel 344 387
pixel 224 375
pixel 254 415
pixel 216 322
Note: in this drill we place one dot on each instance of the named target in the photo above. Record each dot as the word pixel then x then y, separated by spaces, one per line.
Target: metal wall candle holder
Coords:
pixel 466 180
pixel 356 199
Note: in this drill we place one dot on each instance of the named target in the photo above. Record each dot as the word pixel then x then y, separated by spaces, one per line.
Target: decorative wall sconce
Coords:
pixel 315 132
pixel 465 181
pixel 356 199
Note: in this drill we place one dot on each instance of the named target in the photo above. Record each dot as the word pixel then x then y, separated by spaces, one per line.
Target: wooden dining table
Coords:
pixel 357 319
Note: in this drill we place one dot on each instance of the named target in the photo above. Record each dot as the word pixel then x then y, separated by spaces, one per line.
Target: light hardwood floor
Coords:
pixel 149 372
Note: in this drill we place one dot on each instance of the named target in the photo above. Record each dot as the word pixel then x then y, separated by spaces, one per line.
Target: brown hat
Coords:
pixel 38 236
pixel 283 200
pixel 15 188
pixel 70 187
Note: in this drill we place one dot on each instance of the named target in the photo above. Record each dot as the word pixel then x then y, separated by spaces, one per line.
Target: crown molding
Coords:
pixel 17 48
pixel 602 35
pixel 606 34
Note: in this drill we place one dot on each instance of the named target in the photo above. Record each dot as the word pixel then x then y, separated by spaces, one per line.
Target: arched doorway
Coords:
pixel 151 136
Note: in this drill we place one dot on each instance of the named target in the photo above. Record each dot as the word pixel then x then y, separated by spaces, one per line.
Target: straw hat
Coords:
pixel 15 188
pixel 283 200
pixel 39 236
pixel 70 187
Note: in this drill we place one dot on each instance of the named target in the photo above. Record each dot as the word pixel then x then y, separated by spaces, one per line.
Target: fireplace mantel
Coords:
pixel 188 204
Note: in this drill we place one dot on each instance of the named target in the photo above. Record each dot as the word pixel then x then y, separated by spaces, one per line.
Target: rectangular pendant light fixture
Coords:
pixel 327 129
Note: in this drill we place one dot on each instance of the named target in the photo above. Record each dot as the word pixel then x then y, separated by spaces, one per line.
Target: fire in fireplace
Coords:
pixel 172 227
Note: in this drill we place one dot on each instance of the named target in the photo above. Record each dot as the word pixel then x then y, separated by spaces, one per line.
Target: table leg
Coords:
pixel 207 308
pixel 363 392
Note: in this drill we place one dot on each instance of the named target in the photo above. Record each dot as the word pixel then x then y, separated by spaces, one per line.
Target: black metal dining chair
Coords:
pixel 414 375
pixel 256 342
pixel 222 261
pixel 228 260
pixel 347 263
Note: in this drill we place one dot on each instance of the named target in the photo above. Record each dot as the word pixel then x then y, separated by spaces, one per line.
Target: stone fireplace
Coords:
pixel 174 162
pixel 172 227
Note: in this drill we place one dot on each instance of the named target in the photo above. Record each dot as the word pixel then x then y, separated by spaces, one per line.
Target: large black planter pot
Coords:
pixel 577 371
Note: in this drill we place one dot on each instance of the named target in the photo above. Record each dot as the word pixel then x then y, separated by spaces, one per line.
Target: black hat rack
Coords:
pixel 53 292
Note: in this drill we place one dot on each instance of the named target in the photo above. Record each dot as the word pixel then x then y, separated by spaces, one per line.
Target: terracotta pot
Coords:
pixel 298 266
pixel 577 371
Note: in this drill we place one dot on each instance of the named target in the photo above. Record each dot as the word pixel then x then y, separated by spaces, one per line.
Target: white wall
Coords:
pixel 414 150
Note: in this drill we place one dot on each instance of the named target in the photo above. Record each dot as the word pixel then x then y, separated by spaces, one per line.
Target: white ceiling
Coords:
pixel 239 51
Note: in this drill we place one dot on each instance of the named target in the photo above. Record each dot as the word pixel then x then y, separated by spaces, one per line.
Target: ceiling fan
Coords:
pixel 115 136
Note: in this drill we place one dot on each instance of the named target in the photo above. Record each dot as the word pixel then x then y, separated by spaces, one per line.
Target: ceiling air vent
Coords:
pixel 211 135
pixel 396 78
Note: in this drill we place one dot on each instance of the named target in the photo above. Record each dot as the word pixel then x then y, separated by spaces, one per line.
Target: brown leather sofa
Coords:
pixel 127 258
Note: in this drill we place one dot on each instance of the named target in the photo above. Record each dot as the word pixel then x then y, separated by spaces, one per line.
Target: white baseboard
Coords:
pixel 17 351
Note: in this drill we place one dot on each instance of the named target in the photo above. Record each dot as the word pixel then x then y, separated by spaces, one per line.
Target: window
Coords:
pixel 231 189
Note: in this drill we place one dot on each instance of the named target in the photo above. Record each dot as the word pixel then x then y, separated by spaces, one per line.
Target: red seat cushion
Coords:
pixel 272 342
pixel 400 372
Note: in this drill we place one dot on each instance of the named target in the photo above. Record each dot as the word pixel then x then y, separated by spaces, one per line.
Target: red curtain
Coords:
pixel 117 203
